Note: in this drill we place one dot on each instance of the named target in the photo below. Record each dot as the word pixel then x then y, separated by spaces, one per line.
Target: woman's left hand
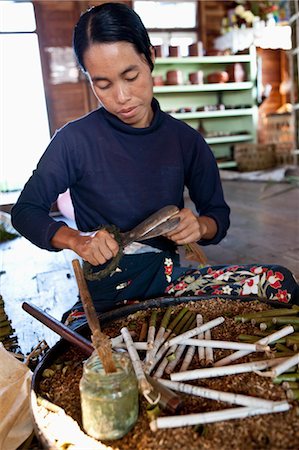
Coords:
pixel 192 228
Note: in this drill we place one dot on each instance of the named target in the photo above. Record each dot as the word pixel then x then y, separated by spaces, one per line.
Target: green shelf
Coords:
pixel 209 114
pixel 204 59
pixel 203 87
pixel 228 139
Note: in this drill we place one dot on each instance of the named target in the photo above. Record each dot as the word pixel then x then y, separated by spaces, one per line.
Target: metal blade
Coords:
pixel 150 224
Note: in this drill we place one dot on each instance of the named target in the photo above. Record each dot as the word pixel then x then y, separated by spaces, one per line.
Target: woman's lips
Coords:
pixel 128 112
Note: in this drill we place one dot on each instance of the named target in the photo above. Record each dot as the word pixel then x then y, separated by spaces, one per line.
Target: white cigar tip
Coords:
pixel 269 373
pixel 262 348
pixel 153 425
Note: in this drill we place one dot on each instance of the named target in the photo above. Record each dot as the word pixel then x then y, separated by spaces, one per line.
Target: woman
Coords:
pixel 121 163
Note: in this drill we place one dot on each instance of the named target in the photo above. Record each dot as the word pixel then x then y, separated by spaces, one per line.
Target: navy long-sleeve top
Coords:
pixel 118 174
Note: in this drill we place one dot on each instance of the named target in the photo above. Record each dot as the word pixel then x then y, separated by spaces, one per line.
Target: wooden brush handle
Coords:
pixel 100 341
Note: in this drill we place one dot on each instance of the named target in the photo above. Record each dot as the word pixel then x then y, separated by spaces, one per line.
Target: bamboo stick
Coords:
pixel 160 334
pixel 101 342
pixel 287 320
pixel 168 332
pixel 212 394
pixel 292 394
pixel 215 416
pixel 163 349
pixel 280 347
pixel 290 385
pixel 292 340
pixel 143 332
pixel 224 370
pixel 178 353
pixel 248 337
pixel 151 334
pixel 266 325
pixel 162 366
pixel 264 341
pixel 267 313
pixel 286 377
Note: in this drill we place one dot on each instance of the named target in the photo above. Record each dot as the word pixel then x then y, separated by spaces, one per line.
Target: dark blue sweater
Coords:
pixel 120 175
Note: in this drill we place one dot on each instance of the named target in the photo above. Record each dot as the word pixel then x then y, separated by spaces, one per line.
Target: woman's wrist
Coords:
pixel 64 238
pixel 208 227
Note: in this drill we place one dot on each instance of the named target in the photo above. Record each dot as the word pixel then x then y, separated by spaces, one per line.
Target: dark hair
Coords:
pixel 110 22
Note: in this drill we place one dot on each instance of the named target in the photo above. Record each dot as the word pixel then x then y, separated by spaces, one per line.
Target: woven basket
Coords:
pixel 284 153
pixel 251 157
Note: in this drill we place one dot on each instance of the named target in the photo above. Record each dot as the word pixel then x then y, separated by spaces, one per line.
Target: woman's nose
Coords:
pixel 122 93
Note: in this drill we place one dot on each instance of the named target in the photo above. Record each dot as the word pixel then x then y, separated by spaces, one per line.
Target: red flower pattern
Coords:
pixel 282 296
pixel 274 279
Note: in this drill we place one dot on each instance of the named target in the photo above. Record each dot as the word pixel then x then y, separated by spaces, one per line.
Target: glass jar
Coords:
pixel 109 401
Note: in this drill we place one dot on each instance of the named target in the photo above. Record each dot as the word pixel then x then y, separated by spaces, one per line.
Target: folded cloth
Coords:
pixel 15 418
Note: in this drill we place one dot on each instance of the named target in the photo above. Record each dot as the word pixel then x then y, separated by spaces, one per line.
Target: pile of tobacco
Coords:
pixel 237 390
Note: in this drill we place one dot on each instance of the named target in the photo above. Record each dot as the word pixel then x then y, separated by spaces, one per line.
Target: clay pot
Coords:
pixel 236 72
pixel 158 51
pixel 196 77
pixel 158 80
pixel 174 77
pixel 218 77
pixel 195 49
pixel 173 51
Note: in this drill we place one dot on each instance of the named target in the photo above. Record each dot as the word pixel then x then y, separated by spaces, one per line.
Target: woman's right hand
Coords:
pixel 96 247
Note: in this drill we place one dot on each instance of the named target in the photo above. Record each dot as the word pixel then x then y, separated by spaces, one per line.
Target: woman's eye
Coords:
pixel 106 86
pixel 132 78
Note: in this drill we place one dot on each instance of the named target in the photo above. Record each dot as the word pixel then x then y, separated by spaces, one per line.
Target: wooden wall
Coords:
pixel 55 23
pixel 67 101
pixel 210 15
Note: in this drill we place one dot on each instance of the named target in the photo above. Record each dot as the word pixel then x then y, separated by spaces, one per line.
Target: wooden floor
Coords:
pixel 264 228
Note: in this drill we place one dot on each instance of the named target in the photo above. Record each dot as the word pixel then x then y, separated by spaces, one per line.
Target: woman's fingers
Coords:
pixel 188 229
pixel 98 248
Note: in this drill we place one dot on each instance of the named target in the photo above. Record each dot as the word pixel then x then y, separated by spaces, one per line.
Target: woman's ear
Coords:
pixel 153 55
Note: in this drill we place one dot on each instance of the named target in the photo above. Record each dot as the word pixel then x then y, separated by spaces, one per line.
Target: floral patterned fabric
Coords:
pixel 267 282
pixel 151 275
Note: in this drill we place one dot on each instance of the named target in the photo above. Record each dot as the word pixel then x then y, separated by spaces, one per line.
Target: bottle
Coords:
pixel 109 401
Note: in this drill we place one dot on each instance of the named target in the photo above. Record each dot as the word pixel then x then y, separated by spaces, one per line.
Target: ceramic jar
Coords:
pixel 174 77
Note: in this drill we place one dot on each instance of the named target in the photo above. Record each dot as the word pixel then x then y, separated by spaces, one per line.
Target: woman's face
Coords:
pixel 121 80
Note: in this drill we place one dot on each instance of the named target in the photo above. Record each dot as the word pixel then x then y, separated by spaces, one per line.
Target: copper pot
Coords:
pixel 195 49
pixel 236 72
pixel 158 80
pixel 158 51
pixel 174 77
pixel 218 77
pixel 196 77
pixel 173 51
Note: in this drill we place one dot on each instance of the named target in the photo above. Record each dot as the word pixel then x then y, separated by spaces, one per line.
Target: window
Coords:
pixel 24 128
pixel 169 23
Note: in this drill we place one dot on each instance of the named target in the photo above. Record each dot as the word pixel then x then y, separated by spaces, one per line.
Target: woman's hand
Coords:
pixel 192 228
pixel 95 247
